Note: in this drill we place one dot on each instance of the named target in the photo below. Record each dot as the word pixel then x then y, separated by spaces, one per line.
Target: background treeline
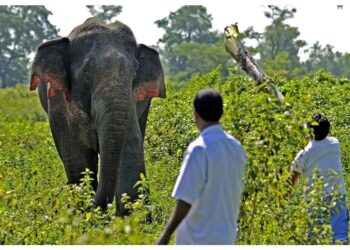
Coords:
pixel 189 45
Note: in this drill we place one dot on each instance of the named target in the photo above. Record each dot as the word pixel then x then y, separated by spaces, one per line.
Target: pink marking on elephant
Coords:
pixel 147 89
pixel 34 82
pixel 54 85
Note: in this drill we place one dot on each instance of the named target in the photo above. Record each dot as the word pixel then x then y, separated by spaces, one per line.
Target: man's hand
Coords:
pixel 294 177
pixel 180 212
pixel 163 239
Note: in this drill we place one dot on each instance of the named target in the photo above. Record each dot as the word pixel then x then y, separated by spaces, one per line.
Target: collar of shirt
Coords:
pixel 211 128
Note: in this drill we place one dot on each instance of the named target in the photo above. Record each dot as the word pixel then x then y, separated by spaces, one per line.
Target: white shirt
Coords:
pixel 211 181
pixel 325 155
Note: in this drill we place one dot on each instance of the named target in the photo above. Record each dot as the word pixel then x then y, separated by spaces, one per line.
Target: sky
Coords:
pixel 316 21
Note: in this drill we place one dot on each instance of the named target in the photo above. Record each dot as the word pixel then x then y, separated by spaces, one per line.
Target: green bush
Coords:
pixel 36 207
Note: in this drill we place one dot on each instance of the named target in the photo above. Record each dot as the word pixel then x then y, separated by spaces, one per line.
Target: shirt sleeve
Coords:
pixel 298 164
pixel 191 179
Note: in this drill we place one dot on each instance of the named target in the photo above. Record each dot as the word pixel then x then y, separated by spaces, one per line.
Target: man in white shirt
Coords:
pixel 209 187
pixel 324 153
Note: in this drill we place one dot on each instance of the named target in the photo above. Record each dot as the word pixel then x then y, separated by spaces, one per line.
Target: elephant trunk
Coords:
pixel 110 102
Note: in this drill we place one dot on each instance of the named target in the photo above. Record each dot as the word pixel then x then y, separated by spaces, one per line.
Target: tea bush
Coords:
pixel 36 207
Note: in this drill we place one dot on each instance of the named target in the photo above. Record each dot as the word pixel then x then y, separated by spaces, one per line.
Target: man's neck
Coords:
pixel 320 138
pixel 206 125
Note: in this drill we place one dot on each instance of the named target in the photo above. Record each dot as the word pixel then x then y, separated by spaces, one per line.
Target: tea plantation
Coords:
pixel 36 207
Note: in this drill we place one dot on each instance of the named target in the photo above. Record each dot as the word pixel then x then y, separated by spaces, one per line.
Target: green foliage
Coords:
pixel 280 44
pixel 20 96
pixel 326 58
pixel 106 13
pixel 36 207
pixel 22 29
pixel 279 36
pixel 189 46
pixel 271 135
pixel 188 59
pixel 278 48
pixel 190 23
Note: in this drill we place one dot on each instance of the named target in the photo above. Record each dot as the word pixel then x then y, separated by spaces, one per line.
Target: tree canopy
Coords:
pixel 327 59
pixel 106 13
pixel 190 23
pixel 189 46
pixel 22 29
pixel 280 44
pixel 189 59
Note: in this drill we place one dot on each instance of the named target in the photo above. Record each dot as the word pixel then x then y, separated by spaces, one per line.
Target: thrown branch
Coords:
pixel 236 49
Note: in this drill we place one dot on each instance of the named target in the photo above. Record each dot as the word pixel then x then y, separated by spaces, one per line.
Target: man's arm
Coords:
pixel 292 181
pixel 294 177
pixel 180 212
pixel 298 167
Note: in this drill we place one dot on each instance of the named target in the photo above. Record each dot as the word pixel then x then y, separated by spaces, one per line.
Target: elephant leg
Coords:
pixel 132 165
pixel 142 108
pixel 71 146
pixel 43 95
pixel 143 119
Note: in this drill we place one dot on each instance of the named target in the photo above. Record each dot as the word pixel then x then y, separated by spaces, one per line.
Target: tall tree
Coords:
pixel 106 13
pixel 280 37
pixel 22 29
pixel 189 59
pixel 327 59
pixel 251 35
pixel 190 23
pixel 189 46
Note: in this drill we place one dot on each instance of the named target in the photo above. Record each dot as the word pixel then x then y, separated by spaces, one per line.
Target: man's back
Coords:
pixel 326 156
pixel 211 181
pixel 322 158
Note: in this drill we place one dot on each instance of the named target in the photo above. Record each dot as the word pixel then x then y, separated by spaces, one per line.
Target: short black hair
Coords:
pixel 320 125
pixel 208 104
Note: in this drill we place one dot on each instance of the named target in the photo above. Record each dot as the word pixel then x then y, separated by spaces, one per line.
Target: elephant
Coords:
pixel 96 86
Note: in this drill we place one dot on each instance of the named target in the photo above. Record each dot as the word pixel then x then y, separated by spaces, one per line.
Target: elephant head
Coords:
pixel 96 86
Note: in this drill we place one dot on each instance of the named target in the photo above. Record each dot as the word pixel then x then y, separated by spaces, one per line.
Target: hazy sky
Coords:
pixel 316 21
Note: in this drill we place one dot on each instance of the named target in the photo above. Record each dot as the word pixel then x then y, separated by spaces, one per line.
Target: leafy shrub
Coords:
pixel 36 207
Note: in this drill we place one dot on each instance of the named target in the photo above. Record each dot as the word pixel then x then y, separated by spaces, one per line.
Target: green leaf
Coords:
pixel 314 123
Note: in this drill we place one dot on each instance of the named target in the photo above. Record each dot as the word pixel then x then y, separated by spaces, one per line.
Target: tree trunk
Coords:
pixel 236 49
pixel 3 80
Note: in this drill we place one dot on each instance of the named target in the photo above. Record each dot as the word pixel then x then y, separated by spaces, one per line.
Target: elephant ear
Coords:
pixel 51 66
pixel 149 81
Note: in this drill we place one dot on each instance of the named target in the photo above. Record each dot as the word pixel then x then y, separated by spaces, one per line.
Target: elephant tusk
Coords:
pixel 51 91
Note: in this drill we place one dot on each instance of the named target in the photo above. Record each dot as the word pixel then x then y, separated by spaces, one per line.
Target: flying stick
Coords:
pixel 237 50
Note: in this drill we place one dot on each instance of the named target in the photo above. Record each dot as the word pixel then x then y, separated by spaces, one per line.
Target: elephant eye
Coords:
pixel 87 74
